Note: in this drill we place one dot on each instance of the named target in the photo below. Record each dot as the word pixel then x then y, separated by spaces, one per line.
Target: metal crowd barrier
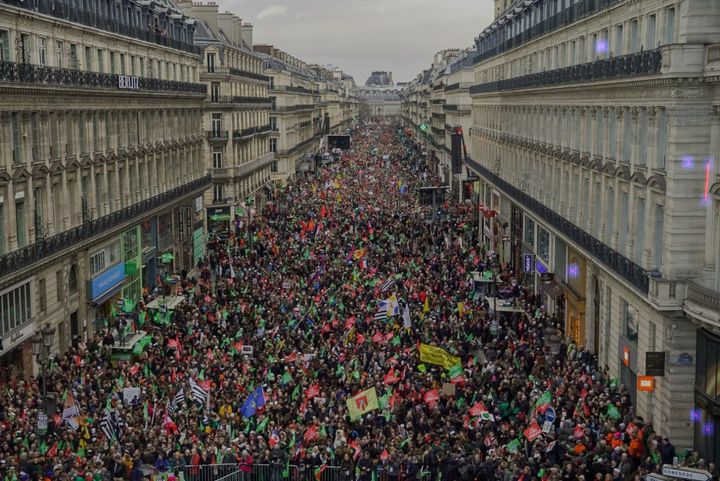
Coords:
pixel 262 472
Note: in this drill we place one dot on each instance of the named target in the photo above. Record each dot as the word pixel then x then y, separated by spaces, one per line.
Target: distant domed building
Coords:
pixel 380 79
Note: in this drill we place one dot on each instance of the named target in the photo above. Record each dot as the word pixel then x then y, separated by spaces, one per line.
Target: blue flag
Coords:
pixel 254 401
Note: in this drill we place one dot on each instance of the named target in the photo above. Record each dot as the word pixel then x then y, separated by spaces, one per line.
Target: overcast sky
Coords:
pixel 364 35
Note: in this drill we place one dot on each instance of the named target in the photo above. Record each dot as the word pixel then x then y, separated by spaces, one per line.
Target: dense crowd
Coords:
pixel 300 282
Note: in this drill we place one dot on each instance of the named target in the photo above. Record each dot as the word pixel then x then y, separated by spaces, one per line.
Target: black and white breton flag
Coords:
pixel 179 399
pixel 387 285
pixel 198 393
pixel 110 426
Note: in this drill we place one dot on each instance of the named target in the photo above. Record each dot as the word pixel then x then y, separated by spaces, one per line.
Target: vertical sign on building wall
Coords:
pixel 528 262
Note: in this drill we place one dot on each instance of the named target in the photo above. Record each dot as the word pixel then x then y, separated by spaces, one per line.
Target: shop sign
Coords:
pixel 540 267
pixel 128 82
pixel 646 383
pixel 19 336
pixel 106 281
pixel 655 363
pixel 528 262
pixel 684 359
pixel 686 473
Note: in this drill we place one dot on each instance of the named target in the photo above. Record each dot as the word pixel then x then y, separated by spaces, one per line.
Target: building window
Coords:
pixel 74 63
pixel 273 123
pixel 216 124
pixel 623 227
pixel 211 62
pixel 217 158
pixel 35 136
pixel 631 320
pixel 42 51
pixel 15 308
pixel 274 166
pixel 72 280
pixel 633 36
pixel 24 48
pixel 273 145
pixel 16 138
pixel 20 220
pixel 650 32
pixel 218 193
pixel 214 92
pixel 529 232
pixel 658 237
pixel 88 58
pixel 59 285
pixel 112 62
pixel 2 227
pixel 639 230
pixel 100 61
pixel 4 46
pixel 60 54
pixel 543 247
pixel 42 295
pixel 670 26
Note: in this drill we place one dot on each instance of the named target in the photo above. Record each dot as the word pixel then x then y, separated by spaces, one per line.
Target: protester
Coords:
pixel 301 282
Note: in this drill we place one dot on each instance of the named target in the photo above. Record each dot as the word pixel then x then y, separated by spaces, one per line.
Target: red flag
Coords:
pixel 432 396
pixel 378 338
pixel 533 431
pixel 477 409
pixel 390 377
pixel 313 391
pixel 350 322
pixel 292 357
pixel 53 450
pixel 135 369
pixel 360 339
pixel 384 455
pixel 319 471
pixel 323 212
pixel 311 434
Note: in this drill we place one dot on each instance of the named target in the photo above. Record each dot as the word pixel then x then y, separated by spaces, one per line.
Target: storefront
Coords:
pixel 17 325
pixel 104 290
pixel 706 416
pixel 148 244
pixel 575 280
pixel 184 221
pixel 218 219
pixel 131 241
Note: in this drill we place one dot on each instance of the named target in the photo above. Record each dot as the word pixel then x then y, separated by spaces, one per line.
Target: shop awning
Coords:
pixel 107 295
pixel 552 289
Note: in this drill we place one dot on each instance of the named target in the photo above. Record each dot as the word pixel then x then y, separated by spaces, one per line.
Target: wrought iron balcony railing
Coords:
pixel 45 248
pixel 217 135
pixel 252 75
pixel 631 65
pixel 226 99
pixel 63 10
pixel 496 43
pixel 621 265
pixel 25 73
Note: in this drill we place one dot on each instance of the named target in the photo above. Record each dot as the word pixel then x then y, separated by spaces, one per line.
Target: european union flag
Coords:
pixel 254 401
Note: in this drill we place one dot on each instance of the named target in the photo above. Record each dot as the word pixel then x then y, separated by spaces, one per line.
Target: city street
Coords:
pixel 337 333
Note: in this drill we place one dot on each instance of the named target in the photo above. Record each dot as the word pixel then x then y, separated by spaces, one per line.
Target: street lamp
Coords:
pixel 41 344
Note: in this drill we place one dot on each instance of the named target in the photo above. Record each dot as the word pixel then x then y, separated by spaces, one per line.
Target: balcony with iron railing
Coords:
pixel 238 100
pixel 39 75
pixel 626 66
pixel 43 250
pixel 217 136
pixel 62 10
pixel 488 46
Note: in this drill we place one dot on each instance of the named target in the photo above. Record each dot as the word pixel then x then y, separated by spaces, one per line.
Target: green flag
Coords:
pixel 543 400
pixel 455 371
pixel 43 448
pixel 395 340
pixel 263 424
pixel 513 446
pixel 613 412
pixel 139 347
pixel 286 378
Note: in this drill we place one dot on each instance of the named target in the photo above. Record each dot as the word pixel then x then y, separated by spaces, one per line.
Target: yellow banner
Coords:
pixel 437 355
pixel 362 403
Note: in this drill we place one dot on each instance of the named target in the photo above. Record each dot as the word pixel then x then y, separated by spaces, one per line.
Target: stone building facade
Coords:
pixel 301 96
pixel 236 118
pixel 102 171
pixel 595 136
